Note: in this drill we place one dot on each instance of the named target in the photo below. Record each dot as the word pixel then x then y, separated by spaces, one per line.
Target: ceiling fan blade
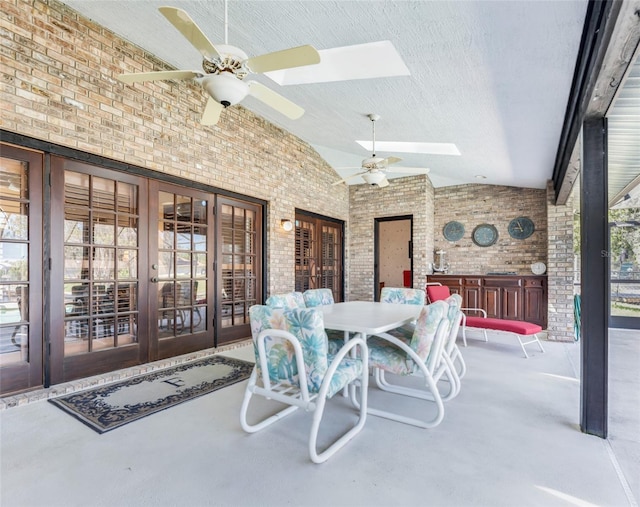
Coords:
pixel 348 178
pixel 275 100
pixel 409 170
pixel 383 183
pixel 188 28
pixel 211 113
pixel 393 160
pixel 285 59
pixel 158 76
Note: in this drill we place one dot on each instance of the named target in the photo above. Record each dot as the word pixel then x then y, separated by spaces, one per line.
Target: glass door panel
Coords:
pixel 182 271
pixel 625 268
pixel 240 271
pixel 21 344
pixel 100 263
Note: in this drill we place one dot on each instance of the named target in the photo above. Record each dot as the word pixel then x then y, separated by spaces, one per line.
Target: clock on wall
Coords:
pixel 484 235
pixel 453 231
pixel 521 228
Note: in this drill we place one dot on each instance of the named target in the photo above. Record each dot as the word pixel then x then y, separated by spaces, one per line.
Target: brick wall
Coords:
pixel 560 268
pixel 404 196
pixel 472 205
pixel 58 84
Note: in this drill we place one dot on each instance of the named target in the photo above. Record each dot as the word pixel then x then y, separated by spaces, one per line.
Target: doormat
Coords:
pixel 111 406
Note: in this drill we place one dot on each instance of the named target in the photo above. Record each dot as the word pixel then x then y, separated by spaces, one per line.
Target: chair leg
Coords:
pixel 248 393
pixel 432 388
pixel 363 383
pixel 346 437
pixel 457 356
pixel 535 340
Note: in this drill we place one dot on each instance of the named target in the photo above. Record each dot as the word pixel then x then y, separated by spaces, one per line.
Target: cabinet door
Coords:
pixel 511 303
pixel 535 306
pixel 472 297
pixel 492 303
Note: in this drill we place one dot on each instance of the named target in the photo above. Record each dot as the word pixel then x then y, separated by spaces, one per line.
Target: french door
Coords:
pixel 21 266
pixel 239 273
pixel 180 270
pixel 99 317
pixel 319 254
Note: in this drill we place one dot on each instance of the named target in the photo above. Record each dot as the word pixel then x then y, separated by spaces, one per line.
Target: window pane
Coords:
pixel 76 225
pixel 104 267
pixel 127 264
pixel 127 231
pixel 103 194
pixel 14 220
pixel 127 198
pixel 13 179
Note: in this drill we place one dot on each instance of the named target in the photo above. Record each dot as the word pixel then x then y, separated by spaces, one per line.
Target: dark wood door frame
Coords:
pixel 376 254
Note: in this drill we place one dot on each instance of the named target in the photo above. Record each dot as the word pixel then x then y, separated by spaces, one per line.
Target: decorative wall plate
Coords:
pixel 521 228
pixel 538 268
pixel 453 231
pixel 484 235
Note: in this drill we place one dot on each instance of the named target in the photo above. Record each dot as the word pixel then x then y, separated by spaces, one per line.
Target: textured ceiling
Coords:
pixel 491 77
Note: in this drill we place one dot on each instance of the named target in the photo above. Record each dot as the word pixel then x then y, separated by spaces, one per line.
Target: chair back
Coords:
pixel 455 318
pixel 317 297
pixel 289 301
pixel 438 293
pixel 402 296
pixel 306 325
pixel 426 329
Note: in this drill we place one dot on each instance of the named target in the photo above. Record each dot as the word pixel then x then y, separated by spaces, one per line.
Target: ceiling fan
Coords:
pixel 375 169
pixel 225 67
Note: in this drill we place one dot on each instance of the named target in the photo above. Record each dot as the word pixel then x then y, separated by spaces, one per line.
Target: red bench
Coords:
pixel 518 327
pixel 436 292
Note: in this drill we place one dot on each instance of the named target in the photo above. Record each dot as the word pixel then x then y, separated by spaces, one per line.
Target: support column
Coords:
pixel 595 278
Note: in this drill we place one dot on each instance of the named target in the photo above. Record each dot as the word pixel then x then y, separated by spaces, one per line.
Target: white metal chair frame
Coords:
pixel 299 397
pixel 427 370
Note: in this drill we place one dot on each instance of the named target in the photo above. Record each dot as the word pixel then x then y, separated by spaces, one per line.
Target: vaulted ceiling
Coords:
pixel 491 77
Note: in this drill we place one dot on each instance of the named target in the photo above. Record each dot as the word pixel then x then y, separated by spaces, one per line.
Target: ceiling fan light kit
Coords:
pixel 374 177
pixel 224 88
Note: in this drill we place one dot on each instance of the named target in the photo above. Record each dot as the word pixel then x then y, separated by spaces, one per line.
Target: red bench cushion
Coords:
pixel 513 326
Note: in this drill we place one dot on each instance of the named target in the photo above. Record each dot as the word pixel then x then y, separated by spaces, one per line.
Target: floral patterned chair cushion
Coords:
pixel 387 356
pixel 402 296
pixel 290 300
pixel 307 326
pixel 317 297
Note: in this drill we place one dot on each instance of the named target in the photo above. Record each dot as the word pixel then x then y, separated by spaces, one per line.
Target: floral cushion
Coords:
pixel 290 300
pixel 402 296
pixel 317 297
pixel 385 355
pixel 307 326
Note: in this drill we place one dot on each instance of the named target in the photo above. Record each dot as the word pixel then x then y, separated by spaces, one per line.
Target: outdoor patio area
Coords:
pixel 511 438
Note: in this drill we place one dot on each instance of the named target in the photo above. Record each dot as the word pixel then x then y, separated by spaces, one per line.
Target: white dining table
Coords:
pixel 372 318
pixel 368 317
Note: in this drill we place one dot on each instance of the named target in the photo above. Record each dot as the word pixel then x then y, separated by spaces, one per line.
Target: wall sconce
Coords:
pixel 286 224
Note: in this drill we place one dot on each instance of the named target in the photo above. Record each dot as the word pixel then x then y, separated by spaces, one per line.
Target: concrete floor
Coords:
pixel 511 438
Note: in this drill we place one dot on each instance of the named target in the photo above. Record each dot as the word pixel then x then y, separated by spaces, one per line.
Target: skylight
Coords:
pixel 409 147
pixel 361 61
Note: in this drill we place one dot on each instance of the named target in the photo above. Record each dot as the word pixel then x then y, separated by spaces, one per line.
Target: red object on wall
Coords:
pixel 406 276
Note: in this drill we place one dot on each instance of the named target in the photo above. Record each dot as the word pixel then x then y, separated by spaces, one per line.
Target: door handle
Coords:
pixel 154 279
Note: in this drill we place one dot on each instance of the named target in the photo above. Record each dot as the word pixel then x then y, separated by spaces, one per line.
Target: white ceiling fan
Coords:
pixel 225 67
pixel 375 169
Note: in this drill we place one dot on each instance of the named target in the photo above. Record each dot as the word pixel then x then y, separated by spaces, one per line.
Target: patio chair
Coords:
pixel 445 367
pixel 318 297
pixel 289 300
pixel 293 367
pixel 422 355
pixel 439 292
pixel 403 296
